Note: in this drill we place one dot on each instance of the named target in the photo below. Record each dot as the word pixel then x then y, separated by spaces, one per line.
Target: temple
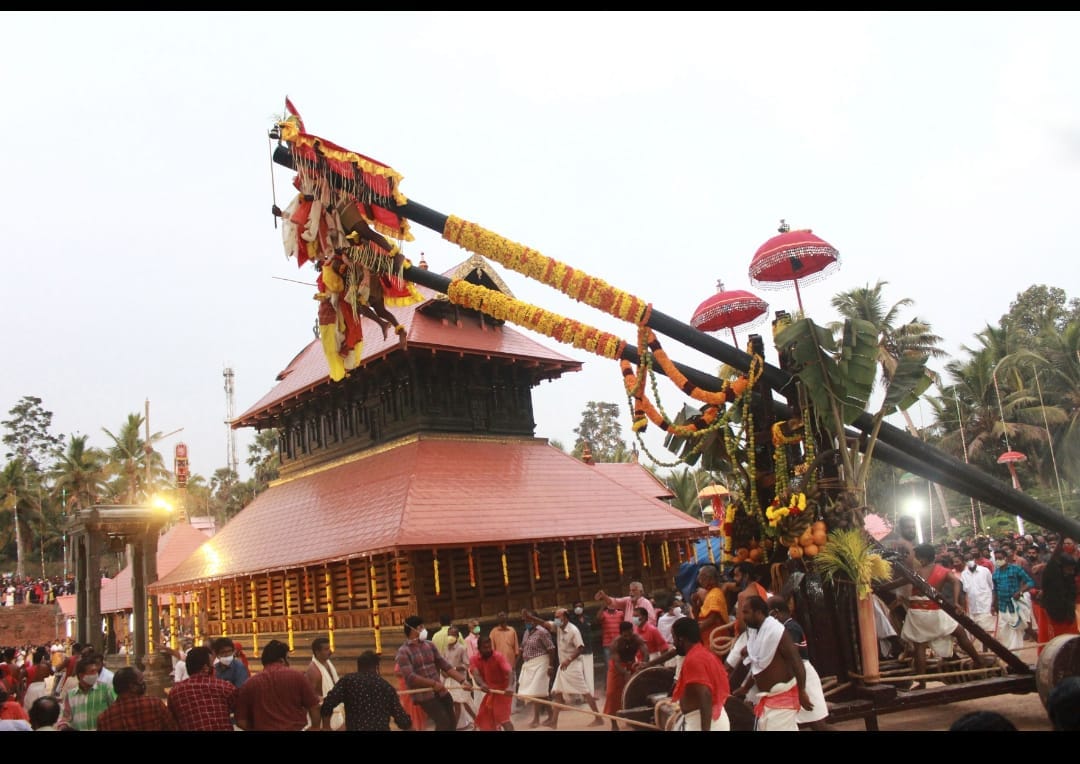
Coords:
pixel 416 485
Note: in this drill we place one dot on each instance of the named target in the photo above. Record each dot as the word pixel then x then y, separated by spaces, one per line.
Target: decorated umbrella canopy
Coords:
pixel 791 256
pixel 1012 458
pixel 717 494
pixel 877 526
pixel 727 309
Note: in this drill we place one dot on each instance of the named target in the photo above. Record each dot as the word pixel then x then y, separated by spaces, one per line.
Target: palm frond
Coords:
pixel 848 553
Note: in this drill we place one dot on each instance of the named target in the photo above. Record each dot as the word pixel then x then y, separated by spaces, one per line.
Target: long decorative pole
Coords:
pixel 894 445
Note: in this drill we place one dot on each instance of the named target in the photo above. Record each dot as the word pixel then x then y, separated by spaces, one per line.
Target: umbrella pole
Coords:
pixel 734 339
pixel 798 296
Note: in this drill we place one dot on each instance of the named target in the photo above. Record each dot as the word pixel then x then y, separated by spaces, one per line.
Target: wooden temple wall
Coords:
pixel 364 601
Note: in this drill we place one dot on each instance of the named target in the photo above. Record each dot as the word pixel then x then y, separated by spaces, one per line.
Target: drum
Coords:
pixel 642 684
pixel 1060 658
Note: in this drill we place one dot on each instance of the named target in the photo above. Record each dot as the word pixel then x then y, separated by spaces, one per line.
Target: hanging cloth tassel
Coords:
pixel 254 589
pixel 329 604
pixel 375 620
pixel 288 610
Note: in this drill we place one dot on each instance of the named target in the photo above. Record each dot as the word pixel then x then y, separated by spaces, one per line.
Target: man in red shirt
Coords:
pixel 650 634
pixel 132 711
pixel 609 619
pixel 702 687
pixel 202 702
pixel 278 698
pixel 491 671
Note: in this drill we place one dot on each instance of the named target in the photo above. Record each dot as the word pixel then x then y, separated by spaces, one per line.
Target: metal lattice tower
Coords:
pixel 230 414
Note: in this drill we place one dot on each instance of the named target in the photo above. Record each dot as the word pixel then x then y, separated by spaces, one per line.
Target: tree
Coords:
pixel 601 430
pixel 264 459
pixel 28 436
pixel 1038 308
pixel 129 454
pixel 896 341
pixel 80 473
pixel 17 493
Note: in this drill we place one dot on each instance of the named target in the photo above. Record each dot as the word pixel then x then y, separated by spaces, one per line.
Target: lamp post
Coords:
pixel 914 507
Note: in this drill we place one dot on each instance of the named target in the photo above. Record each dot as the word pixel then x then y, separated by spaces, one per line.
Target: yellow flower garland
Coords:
pixel 580 286
pixel 500 306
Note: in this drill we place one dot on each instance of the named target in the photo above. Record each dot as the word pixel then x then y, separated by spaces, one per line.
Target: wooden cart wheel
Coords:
pixel 1060 658
pixel 642 684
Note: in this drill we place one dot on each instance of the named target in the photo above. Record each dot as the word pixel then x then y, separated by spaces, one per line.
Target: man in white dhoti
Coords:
pixel 570 678
pixel 775 669
pixel 813 717
pixel 539 663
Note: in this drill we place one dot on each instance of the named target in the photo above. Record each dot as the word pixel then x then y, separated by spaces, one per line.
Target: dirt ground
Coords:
pixel 1025 711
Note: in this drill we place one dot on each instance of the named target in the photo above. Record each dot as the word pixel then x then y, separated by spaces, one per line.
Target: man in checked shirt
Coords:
pixel 202 702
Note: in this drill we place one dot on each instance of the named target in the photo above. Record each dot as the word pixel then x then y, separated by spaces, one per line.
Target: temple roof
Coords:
pixel 309 370
pixel 175 545
pixel 428 491
pixel 634 476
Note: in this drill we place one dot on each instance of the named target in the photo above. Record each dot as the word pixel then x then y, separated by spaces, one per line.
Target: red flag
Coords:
pixel 292 111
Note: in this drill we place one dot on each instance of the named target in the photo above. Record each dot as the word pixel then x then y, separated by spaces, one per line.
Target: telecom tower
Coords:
pixel 230 414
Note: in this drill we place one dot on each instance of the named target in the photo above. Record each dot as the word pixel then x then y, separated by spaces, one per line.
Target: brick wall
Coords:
pixel 30 624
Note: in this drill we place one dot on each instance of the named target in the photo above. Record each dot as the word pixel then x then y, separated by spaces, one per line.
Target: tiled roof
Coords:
pixel 309 370
pixel 429 491
pixel 174 546
pixel 635 477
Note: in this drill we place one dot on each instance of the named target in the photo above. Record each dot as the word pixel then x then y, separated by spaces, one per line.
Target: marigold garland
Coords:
pixel 506 572
pixel 565 563
pixel 575 284
pixel 223 613
pixel 472 569
pixel 435 565
pixel 536 562
pixel 618 555
pixel 592 555
pixel 329 582
pixel 254 589
pixel 375 620
pixel 493 303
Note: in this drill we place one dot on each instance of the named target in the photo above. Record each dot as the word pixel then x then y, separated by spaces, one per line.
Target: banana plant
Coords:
pixel 838 378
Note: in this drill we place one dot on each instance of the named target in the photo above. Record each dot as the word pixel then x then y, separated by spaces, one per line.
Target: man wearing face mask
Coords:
pixel 85 702
pixel 1010 583
pixel 978 586
pixel 133 711
pixel 570 678
pixel 227 668
pixel 584 625
pixel 422 667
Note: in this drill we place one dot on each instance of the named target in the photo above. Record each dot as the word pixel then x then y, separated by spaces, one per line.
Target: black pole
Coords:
pixel 894 446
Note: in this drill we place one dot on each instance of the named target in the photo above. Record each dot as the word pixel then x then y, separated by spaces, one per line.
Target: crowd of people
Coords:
pixel 15 590
pixel 726 637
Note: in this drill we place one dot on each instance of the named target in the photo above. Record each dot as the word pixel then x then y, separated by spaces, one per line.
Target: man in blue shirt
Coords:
pixel 227 667
pixel 1010 583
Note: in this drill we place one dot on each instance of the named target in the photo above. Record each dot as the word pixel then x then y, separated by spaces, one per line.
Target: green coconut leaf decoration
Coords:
pixel 850 555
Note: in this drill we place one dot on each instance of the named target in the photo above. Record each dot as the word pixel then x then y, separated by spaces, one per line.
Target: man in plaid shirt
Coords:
pixel 132 711
pixel 202 702
pixel 421 666
pixel 84 702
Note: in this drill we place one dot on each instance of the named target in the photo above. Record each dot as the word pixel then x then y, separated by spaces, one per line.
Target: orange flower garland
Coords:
pixel 592 555
pixel 573 283
pixel 435 565
pixel 375 620
pixel 472 569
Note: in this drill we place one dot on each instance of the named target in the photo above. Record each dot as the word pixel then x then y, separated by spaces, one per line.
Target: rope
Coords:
pixel 547 702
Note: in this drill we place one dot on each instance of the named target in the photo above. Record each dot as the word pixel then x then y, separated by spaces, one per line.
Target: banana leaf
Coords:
pixel 910 380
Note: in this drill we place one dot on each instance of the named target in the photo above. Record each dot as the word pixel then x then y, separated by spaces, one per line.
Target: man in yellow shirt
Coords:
pixel 713 613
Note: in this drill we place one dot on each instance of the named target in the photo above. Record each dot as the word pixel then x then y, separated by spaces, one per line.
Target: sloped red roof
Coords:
pixel 309 370
pixel 428 491
pixel 174 546
pixel 635 477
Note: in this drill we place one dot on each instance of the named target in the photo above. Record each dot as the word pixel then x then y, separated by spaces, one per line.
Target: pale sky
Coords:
pixel 936 151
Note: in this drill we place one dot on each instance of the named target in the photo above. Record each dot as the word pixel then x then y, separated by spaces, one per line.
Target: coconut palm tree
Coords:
pixel 17 498
pixel 129 454
pixel 80 473
pixel 896 341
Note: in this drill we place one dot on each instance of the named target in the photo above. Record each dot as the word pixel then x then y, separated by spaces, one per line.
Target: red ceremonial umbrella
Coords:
pixel 727 309
pixel 1012 458
pixel 791 256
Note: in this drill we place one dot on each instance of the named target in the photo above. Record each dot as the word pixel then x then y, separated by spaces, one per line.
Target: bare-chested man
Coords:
pixel 776 670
